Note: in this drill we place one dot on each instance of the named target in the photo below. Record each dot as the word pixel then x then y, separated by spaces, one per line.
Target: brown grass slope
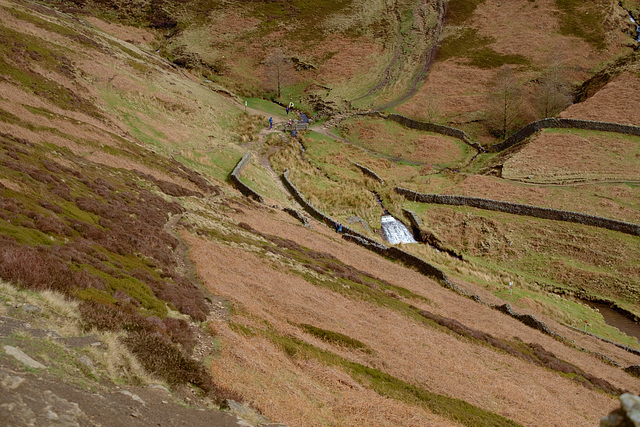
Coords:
pixel 402 346
pixel 112 171
pixel 530 37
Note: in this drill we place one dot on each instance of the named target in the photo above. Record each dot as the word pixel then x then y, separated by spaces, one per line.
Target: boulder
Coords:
pixel 628 415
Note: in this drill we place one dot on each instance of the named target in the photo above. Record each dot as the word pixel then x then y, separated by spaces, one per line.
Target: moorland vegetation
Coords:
pixel 120 123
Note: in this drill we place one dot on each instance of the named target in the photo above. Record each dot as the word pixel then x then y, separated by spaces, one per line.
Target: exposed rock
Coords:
pixel 628 415
pixel 10 382
pixel 29 308
pixel 22 357
pixel 87 362
pixel 132 396
pixel 633 370
pixel 250 415
pixel 61 412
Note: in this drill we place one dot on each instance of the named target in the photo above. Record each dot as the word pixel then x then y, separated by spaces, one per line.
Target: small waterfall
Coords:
pixel 637 27
pixel 395 231
pixel 634 23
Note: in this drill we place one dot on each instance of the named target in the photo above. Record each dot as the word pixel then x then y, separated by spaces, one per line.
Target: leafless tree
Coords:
pixel 279 70
pixel 553 93
pixel 504 102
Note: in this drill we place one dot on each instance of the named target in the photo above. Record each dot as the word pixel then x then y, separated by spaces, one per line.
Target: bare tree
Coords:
pixel 553 93
pixel 504 102
pixel 279 70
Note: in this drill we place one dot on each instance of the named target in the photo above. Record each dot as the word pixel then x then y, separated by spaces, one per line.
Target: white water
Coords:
pixel 634 23
pixel 637 27
pixel 395 232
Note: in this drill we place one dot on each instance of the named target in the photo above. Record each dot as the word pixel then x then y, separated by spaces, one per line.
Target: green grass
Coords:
pixel 132 287
pixel 459 11
pixel 401 145
pixel 565 310
pixel 392 387
pixel 26 235
pixel 266 106
pixel 545 256
pixel 585 20
pixel 93 294
pixel 261 181
pixel 470 45
pixel 336 338
pixel 459 44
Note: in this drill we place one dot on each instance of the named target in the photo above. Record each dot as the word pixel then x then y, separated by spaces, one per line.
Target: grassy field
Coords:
pixel 401 144
pixel 114 193
pixel 578 156
pixel 582 260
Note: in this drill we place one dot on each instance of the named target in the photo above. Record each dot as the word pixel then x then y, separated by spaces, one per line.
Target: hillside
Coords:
pixel 145 288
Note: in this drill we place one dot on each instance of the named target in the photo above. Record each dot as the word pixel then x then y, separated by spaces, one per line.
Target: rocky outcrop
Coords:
pixel 628 415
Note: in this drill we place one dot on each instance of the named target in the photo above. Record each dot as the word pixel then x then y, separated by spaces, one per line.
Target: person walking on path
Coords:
pixel 270 122
pixel 287 108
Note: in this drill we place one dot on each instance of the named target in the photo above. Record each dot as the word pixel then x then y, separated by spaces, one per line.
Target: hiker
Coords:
pixel 270 122
pixel 290 122
pixel 339 227
pixel 287 108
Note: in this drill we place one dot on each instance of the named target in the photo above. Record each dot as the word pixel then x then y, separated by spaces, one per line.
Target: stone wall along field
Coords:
pixel 241 186
pixel 533 127
pixel 526 210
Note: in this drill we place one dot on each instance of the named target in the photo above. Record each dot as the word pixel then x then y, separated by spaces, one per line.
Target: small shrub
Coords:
pixel 181 333
pixel 161 357
pixel 33 268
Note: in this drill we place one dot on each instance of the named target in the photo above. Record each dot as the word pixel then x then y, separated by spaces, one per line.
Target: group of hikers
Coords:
pixel 288 108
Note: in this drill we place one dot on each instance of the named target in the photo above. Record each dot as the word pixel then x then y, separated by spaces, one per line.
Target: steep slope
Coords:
pixel 113 188
pixel 340 51
pixel 532 39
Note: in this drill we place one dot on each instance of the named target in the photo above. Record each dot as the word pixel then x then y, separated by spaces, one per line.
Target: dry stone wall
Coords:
pixel 369 172
pixel 426 236
pixel 420 265
pixel 297 215
pixel 432 127
pixel 241 186
pixel 533 127
pixel 526 210
pixel 315 213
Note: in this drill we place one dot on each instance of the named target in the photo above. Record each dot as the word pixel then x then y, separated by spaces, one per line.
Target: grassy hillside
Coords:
pixel 564 41
pixel 120 124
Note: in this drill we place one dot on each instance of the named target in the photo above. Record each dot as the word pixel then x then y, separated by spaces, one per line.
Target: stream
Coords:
pixel 393 230
pixel 616 319
pixel 634 23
